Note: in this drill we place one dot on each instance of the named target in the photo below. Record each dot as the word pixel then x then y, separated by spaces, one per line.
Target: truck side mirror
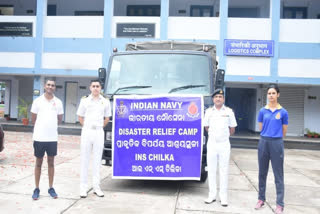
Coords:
pixel 102 76
pixel 219 81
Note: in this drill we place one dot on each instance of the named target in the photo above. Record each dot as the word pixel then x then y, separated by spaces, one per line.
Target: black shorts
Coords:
pixel 41 147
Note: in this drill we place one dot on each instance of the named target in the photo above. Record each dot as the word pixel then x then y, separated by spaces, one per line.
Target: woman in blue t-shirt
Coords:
pixel 273 124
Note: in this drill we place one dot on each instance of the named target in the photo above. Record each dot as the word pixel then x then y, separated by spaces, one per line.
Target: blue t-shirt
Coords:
pixel 272 122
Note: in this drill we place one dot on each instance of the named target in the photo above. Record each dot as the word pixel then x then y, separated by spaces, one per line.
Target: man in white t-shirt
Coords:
pixel 93 113
pixel 47 111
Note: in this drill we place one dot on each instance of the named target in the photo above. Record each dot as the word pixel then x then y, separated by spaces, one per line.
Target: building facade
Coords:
pixel 70 40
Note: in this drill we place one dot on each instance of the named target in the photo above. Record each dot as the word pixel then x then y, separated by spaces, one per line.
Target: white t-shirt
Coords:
pixel 46 126
pixel 219 122
pixel 94 111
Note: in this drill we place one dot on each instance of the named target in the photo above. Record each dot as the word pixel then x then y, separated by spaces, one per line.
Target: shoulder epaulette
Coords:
pixel 103 95
pixel 84 97
pixel 228 108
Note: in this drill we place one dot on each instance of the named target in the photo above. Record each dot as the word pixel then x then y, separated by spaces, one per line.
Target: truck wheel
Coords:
pixel 108 163
pixel 204 176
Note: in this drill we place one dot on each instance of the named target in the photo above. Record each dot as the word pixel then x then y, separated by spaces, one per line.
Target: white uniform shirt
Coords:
pixel 219 122
pixel 94 111
pixel 46 125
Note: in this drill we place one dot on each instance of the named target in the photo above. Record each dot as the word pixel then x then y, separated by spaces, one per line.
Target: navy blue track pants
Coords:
pixel 271 149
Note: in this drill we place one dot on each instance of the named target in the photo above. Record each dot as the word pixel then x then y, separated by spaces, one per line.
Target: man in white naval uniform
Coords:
pixel 220 123
pixel 93 113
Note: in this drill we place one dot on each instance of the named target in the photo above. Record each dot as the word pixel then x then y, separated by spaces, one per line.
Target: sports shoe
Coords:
pixel 259 205
pixel 36 193
pixel 209 200
pixel 83 193
pixel 98 192
pixel 279 210
pixel 224 203
pixel 52 193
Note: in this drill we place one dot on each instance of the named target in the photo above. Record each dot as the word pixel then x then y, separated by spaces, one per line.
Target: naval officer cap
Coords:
pixel 218 91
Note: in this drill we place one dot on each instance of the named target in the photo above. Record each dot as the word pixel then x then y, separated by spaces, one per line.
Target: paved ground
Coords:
pixel 302 179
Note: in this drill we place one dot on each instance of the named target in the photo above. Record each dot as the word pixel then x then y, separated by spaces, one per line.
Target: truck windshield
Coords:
pixel 162 73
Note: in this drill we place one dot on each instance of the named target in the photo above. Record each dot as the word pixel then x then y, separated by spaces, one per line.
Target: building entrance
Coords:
pixel 243 103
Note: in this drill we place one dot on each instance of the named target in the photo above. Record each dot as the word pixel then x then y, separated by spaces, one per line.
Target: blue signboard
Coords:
pixel 234 47
pixel 157 137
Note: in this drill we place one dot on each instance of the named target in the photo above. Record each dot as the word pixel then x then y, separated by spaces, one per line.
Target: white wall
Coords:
pixel 194 28
pixel 248 66
pixel 312 109
pixel 305 68
pixel 17 59
pixel 21 19
pixel 73 27
pixel 89 61
pixel 135 19
pixel 246 28
pixel 290 30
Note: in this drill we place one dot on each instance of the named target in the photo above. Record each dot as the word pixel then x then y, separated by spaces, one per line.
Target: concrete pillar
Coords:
pixel 223 33
pixel 107 26
pixel 41 14
pixel 164 19
pixel 275 31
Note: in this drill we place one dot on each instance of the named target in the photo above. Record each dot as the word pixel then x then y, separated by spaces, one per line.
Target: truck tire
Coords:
pixel 108 163
pixel 204 175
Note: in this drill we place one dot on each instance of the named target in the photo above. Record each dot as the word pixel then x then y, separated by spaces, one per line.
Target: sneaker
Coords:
pixel 259 205
pixel 52 193
pixel 36 193
pixel 224 203
pixel 209 200
pixel 98 192
pixel 83 193
pixel 279 210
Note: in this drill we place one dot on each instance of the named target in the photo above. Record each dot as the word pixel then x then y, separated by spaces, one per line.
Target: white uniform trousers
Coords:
pixel 218 153
pixel 91 140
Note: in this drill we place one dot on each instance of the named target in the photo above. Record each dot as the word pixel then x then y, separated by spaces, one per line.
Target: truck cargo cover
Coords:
pixel 171 45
